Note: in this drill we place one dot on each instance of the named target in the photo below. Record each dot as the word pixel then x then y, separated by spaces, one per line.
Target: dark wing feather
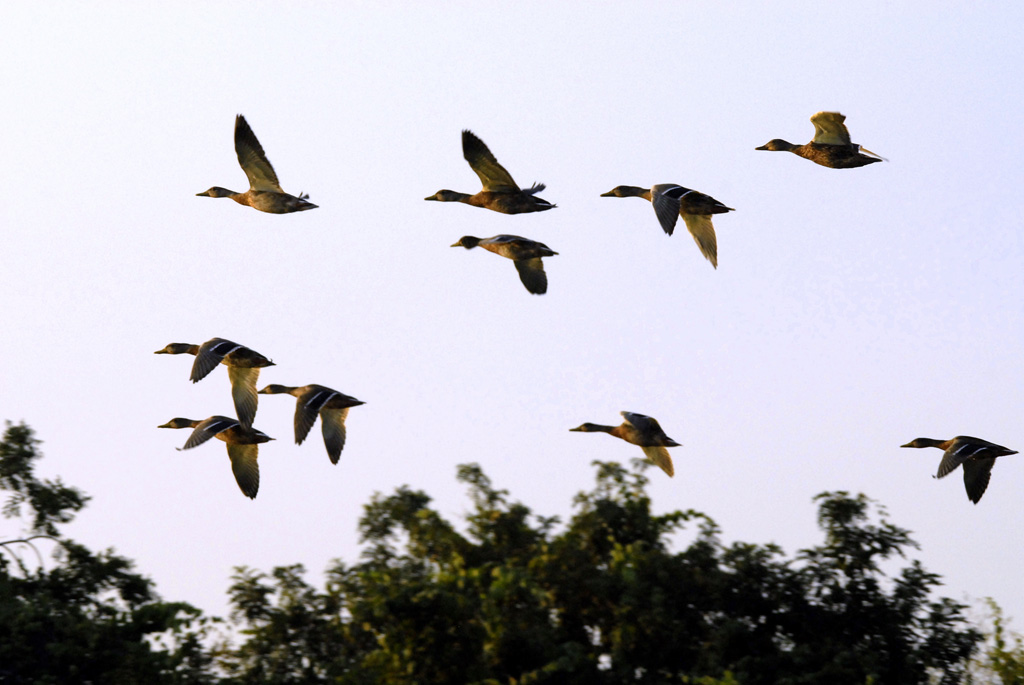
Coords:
pixel 531 273
pixel 253 159
pixel 665 198
pixel 958 453
pixel 307 408
pixel 977 473
pixel 492 175
pixel 211 353
pixel 207 429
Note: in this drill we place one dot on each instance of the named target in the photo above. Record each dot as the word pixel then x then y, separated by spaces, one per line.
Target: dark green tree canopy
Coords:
pixel 90 618
pixel 604 599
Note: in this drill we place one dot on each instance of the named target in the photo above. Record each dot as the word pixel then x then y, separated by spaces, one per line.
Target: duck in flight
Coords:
pixel 243 365
pixel 318 400
pixel 265 193
pixel 671 202
pixel 243 446
pixel 642 431
pixel 500 193
pixel 831 145
pixel 525 254
pixel 976 455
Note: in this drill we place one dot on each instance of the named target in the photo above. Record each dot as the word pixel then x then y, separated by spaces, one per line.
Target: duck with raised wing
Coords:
pixel 976 455
pixel 831 146
pixel 500 192
pixel 242 445
pixel 265 193
pixel 525 254
pixel 318 400
pixel 671 202
pixel 642 431
pixel 243 365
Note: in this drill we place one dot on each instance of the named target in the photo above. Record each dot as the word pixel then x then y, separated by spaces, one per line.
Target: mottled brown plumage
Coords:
pixel 265 193
pixel 500 193
pixel 830 147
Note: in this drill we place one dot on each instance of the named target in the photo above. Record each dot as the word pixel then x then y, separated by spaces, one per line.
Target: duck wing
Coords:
pixel 492 175
pixel 977 473
pixel 332 422
pixel 253 159
pixel 308 407
pixel 643 423
pixel 665 198
pixel 208 428
pixel 661 458
pixel 246 468
pixel 243 392
pixel 959 452
pixel 211 353
pixel 703 232
pixel 531 273
pixel 829 129
pixel 649 428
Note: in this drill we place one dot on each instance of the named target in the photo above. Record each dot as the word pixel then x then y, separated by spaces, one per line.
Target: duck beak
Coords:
pixel 432 197
pixel 763 147
pixel 608 194
pixel 909 444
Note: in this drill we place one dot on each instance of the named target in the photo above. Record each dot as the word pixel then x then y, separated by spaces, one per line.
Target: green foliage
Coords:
pixel 1002 657
pixel 51 502
pixel 90 619
pixel 602 600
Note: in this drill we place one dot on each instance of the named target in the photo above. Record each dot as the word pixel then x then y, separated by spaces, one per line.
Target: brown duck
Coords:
pixel 243 365
pixel 242 445
pixel 671 202
pixel 525 254
pixel 265 193
pixel 642 431
pixel 500 192
pixel 318 400
pixel 831 145
pixel 976 455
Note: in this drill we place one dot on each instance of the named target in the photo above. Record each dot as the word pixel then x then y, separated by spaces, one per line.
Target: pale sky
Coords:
pixel 852 310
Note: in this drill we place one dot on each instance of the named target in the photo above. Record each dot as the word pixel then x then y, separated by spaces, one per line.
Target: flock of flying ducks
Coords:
pixel 242 439
pixel 831 147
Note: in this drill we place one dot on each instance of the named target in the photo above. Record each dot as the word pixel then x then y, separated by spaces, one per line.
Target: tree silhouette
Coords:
pixel 90 619
pixel 516 599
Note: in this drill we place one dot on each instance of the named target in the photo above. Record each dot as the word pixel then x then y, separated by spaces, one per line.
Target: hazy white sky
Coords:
pixel 852 310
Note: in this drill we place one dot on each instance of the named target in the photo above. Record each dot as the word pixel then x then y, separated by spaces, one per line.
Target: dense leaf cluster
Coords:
pixel 91 618
pixel 603 600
